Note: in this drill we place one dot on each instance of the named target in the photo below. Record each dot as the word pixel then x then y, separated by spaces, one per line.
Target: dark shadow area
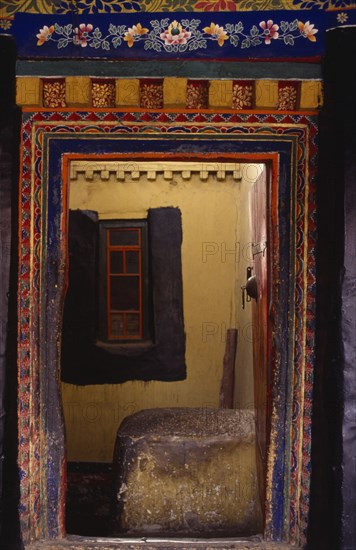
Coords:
pixel 10 538
pixel 332 515
pixel 89 498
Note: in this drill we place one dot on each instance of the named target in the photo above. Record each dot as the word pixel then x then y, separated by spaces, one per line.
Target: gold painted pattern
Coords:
pixel 54 93
pixel 78 91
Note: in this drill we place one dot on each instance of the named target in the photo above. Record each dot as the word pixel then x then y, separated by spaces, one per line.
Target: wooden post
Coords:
pixel 228 377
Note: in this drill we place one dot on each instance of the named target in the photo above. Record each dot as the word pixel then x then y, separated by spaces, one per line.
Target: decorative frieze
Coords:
pixel 54 93
pixel 103 92
pixel 150 170
pixel 243 94
pixel 151 93
pixel 197 96
pixel 288 95
pixel 165 93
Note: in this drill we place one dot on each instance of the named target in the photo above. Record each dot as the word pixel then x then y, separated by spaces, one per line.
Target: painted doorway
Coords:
pixel 213 198
pixel 289 143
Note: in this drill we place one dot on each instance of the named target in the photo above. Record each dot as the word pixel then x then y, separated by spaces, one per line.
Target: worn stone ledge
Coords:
pixel 85 543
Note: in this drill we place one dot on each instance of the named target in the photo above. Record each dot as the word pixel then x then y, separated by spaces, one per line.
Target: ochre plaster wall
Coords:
pixel 213 265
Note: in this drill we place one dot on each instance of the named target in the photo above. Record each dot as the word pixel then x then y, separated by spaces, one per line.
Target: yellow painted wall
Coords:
pixel 212 216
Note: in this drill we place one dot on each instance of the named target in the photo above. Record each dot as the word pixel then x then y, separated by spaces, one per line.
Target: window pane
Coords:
pixel 116 262
pixel 124 293
pixel 121 237
pixel 132 261
pixel 132 324
pixel 116 325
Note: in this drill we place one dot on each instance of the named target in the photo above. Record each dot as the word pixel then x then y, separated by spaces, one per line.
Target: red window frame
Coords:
pixel 124 266
pixel 124 248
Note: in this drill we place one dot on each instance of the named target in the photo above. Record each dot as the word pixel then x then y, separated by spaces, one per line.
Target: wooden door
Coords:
pixel 261 363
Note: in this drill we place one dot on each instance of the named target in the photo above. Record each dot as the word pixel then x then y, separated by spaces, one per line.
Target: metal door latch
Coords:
pixel 250 287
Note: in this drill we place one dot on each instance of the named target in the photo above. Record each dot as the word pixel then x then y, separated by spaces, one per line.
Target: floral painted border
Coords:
pixel 174 37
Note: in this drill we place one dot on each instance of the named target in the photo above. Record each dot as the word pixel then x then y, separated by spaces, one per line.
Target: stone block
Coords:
pixel 186 472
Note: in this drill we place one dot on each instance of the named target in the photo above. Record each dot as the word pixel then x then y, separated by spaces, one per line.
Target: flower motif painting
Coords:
pixel 217 32
pixel 44 34
pixel 134 33
pixel 176 36
pixel 307 30
pixel 270 30
pixel 81 34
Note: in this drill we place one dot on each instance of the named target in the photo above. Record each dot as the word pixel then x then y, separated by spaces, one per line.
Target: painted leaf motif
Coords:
pixel 294 25
pixel 194 24
pixel 289 40
pixel 201 43
pixel 67 30
pixel 284 26
pixel 63 43
pixel 193 46
pixel 254 31
pixel 155 25
pixel 234 40
pixel 95 43
pixel 256 41
pixel 245 43
pixel 116 41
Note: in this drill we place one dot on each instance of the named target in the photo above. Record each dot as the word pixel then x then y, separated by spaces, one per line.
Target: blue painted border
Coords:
pixel 55 145
pixel 111 44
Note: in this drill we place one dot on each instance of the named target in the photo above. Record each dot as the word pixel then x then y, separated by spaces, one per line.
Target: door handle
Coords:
pixel 250 288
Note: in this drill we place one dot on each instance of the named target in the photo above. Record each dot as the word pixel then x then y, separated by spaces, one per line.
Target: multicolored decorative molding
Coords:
pixel 219 35
pixel 47 136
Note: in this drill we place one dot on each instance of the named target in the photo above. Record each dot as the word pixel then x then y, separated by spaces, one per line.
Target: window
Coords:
pixel 123 312
pixel 123 281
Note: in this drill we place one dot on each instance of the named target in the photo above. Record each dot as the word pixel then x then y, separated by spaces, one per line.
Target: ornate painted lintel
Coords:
pixel 297 34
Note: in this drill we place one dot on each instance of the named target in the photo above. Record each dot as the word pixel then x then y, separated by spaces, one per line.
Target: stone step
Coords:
pixel 186 472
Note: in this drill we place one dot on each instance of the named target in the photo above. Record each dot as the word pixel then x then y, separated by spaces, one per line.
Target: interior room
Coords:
pixel 214 200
